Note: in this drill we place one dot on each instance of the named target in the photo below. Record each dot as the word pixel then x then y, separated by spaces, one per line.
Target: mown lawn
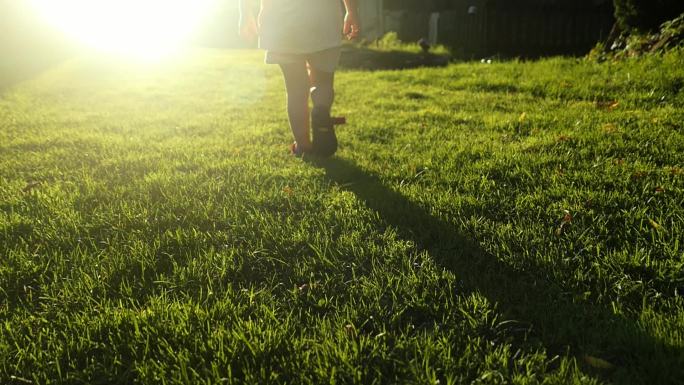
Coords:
pixel 518 222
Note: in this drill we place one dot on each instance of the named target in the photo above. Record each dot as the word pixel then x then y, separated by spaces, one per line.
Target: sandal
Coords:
pixel 296 151
pixel 323 128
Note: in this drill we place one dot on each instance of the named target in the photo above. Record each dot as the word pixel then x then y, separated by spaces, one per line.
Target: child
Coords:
pixel 303 37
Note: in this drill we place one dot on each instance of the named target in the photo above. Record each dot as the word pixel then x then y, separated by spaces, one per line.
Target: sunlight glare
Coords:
pixel 140 28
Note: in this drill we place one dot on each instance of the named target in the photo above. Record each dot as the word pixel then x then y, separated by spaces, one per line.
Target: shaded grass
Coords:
pixel 503 223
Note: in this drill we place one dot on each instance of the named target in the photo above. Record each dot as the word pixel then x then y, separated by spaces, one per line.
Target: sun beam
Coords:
pixel 137 28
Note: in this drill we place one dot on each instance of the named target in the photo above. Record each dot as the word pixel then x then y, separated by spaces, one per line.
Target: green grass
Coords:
pixel 518 222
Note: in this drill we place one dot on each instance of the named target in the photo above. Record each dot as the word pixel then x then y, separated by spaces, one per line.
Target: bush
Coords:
pixel 389 41
pixel 646 15
pixel 669 37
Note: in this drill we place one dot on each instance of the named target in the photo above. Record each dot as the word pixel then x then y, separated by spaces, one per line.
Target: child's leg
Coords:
pixel 322 88
pixel 297 85
pixel 322 95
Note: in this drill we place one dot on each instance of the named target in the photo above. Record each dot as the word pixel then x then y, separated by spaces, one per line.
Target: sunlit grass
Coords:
pixel 505 223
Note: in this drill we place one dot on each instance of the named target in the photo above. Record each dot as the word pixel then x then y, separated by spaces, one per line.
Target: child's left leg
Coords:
pixel 297 86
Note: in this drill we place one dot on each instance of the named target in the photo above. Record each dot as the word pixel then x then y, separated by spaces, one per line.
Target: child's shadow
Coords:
pixel 558 320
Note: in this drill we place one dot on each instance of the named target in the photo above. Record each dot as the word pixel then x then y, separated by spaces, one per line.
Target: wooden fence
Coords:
pixel 510 30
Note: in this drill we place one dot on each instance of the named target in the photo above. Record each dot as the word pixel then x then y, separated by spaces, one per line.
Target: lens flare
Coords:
pixel 141 28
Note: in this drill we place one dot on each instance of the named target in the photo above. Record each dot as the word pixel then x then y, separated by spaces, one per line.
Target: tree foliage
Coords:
pixel 646 15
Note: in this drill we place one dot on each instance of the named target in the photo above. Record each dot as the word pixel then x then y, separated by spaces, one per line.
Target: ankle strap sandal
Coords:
pixel 323 127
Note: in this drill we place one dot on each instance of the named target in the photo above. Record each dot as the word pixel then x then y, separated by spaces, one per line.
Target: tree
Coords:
pixel 646 15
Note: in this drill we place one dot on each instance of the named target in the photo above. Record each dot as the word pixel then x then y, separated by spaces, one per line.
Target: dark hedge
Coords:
pixel 646 15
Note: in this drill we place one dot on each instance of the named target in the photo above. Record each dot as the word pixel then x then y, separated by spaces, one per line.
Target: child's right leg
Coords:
pixel 322 96
pixel 297 85
pixel 322 91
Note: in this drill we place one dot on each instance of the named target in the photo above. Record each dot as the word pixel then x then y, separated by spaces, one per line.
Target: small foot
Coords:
pixel 323 128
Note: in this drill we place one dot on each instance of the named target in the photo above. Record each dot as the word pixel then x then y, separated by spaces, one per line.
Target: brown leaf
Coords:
pixel 567 218
pixel 30 186
pixel 609 105
pixel 350 330
pixel 659 190
pixel 610 128
pixel 564 138
pixel 639 174
pixel 598 363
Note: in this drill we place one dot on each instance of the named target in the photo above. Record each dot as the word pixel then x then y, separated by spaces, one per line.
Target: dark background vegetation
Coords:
pixel 646 15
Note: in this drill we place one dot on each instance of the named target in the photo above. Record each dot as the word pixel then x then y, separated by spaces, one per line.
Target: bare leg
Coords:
pixel 297 85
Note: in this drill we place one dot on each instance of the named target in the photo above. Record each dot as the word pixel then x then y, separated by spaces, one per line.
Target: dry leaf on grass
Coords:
pixel 567 219
pixel 31 186
pixel 609 105
pixel 598 363
pixel 610 128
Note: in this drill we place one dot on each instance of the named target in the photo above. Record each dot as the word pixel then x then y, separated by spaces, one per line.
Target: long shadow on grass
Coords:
pixel 558 320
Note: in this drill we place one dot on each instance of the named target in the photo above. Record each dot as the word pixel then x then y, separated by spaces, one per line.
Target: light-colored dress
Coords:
pixel 300 26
